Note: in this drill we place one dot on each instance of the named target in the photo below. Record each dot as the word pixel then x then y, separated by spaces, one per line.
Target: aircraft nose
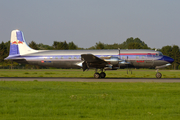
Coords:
pixel 168 59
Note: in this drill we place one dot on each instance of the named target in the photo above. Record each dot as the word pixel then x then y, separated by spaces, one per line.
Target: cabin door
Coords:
pixel 149 61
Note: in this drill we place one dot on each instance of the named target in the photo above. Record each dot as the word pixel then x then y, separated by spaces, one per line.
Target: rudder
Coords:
pixel 14 50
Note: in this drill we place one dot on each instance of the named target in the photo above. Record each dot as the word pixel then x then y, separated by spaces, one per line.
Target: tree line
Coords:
pixel 130 43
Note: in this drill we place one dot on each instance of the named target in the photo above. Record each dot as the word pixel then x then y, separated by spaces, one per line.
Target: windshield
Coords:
pixel 160 54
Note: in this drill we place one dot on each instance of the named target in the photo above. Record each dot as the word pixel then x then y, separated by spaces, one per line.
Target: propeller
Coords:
pixel 127 65
pixel 123 61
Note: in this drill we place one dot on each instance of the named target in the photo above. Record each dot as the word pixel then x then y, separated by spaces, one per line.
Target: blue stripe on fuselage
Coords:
pixel 68 57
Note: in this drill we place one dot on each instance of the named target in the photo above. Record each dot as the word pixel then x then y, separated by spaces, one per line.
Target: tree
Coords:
pixel 99 45
pixel 3 51
pixel 55 45
pixel 134 43
pixel 134 46
pixel 173 52
pixel 166 50
pixel 72 46
pixel 176 56
pixel 44 47
pixel 127 42
pixel 60 45
pixel 33 45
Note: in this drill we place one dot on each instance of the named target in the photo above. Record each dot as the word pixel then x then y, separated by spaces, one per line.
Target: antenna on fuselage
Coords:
pixel 119 56
pixel 119 52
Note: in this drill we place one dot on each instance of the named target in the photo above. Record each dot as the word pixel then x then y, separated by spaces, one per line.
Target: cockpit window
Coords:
pixel 160 54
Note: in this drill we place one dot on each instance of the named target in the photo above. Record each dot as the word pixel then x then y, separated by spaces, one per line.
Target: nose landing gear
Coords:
pixel 158 74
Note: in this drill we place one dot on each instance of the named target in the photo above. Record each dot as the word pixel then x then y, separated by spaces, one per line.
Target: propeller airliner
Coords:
pixel 101 60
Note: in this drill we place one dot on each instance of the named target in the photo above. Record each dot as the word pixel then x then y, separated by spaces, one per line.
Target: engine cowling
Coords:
pixel 113 61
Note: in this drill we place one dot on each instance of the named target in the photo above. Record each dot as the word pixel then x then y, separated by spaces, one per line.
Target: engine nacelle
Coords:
pixel 113 61
pixel 111 68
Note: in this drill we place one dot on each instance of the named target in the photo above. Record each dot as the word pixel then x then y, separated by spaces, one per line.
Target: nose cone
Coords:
pixel 168 59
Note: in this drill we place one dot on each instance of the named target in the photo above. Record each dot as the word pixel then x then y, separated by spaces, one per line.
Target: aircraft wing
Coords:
pixel 92 61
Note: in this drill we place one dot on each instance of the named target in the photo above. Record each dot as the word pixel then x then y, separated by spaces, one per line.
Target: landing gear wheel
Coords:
pixel 102 74
pixel 158 75
pixel 96 75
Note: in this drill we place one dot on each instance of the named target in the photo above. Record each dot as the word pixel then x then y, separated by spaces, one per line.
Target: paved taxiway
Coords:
pixel 169 80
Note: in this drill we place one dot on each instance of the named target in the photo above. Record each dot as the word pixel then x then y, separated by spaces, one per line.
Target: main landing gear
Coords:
pixel 158 74
pixel 99 75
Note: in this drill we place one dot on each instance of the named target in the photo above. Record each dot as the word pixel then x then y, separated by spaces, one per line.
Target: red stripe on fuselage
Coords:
pixel 140 61
pixel 137 54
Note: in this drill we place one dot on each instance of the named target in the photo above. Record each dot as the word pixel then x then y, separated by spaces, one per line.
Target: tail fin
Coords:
pixel 18 45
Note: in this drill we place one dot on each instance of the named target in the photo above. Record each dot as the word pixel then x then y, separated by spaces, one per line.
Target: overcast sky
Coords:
pixel 85 22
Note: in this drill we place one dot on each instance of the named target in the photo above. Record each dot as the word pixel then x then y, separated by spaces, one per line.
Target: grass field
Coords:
pixel 141 73
pixel 35 100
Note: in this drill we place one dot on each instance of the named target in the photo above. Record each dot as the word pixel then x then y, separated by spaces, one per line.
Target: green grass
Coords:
pixel 35 100
pixel 141 73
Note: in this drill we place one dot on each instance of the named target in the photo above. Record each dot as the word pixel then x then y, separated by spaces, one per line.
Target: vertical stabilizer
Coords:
pixel 13 44
pixel 18 45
